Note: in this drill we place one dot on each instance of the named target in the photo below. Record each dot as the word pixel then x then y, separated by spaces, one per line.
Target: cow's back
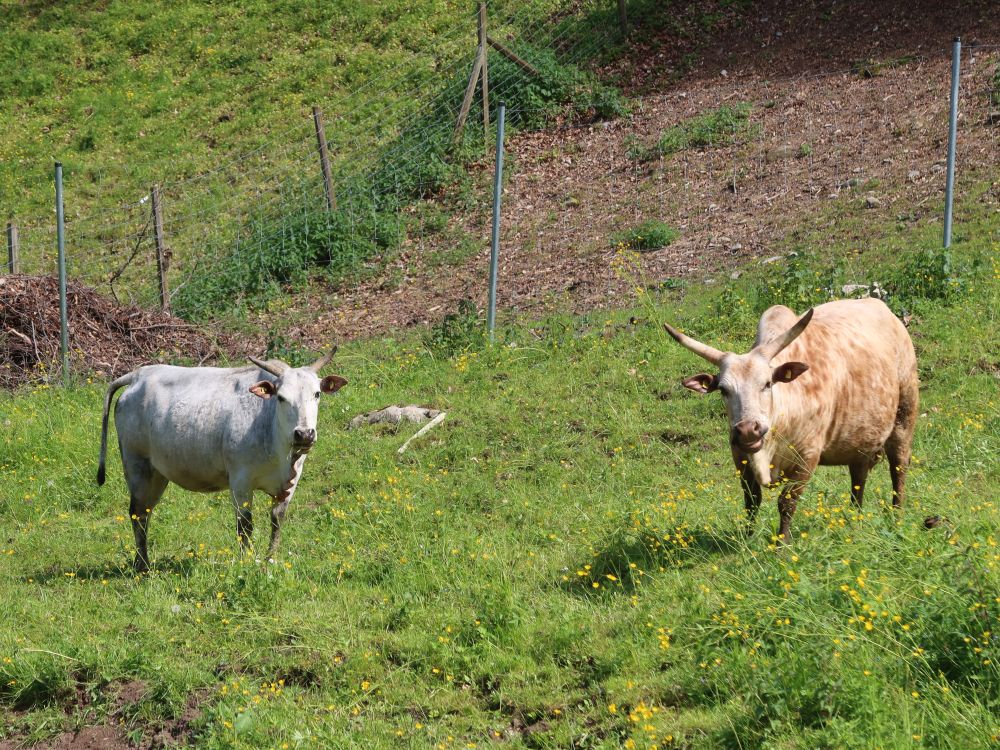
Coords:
pixel 189 422
pixel 860 359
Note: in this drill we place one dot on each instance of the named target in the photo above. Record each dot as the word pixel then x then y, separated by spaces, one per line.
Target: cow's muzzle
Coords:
pixel 303 440
pixel 748 436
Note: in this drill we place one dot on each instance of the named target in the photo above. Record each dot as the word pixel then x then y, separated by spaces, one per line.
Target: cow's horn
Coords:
pixel 773 348
pixel 323 361
pixel 274 366
pixel 702 350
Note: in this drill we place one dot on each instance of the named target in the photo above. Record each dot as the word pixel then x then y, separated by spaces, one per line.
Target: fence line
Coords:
pixel 286 188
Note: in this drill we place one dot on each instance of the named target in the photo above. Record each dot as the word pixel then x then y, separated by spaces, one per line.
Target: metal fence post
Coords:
pixel 491 312
pixel 13 249
pixel 324 160
pixel 61 242
pixel 956 64
pixel 161 251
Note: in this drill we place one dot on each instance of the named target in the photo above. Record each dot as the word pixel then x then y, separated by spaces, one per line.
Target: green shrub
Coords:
pixel 650 235
pixel 930 274
pixel 459 331
pixel 282 250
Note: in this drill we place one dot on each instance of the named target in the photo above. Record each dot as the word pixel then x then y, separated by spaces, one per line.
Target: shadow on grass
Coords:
pixel 628 557
pixel 182 566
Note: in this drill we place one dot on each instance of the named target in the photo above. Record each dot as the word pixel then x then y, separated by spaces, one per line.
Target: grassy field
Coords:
pixel 559 564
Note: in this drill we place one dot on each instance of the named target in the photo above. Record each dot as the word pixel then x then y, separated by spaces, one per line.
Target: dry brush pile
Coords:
pixel 105 338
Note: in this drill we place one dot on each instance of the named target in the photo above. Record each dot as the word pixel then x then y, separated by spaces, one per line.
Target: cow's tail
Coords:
pixel 121 382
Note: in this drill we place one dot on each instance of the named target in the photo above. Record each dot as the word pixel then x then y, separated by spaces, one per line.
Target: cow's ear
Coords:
pixel 702 383
pixel 263 389
pixel 787 372
pixel 332 383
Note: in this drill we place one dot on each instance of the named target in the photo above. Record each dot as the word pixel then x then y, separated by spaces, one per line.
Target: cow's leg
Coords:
pixel 243 506
pixel 788 497
pixel 900 442
pixel 859 475
pixel 278 508
pixel 751 494
pixel 145 486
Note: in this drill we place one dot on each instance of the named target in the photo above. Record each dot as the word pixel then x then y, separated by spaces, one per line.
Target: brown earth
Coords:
pixel 783 38
pixel 846 152
pixel 114 732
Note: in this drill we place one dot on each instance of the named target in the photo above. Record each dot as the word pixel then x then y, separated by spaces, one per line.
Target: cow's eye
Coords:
pixel 282 399
pixel 767 386
pixel 318 394
pixel 724 391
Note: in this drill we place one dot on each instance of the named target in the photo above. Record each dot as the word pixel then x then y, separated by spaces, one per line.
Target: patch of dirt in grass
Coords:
pixel 179 730
pixel 90 738
pixel 113 732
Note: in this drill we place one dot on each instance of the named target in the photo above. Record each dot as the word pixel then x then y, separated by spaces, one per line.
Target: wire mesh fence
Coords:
pixel 721 165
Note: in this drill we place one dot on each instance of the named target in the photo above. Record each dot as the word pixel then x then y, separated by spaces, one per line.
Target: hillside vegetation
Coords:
pixel 559 564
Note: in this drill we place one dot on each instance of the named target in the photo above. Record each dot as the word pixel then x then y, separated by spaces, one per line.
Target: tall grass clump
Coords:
pixel 723 126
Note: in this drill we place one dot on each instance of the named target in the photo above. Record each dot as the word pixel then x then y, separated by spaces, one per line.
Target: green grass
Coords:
pixel 651 234
pixel 561 554
pixel 723 126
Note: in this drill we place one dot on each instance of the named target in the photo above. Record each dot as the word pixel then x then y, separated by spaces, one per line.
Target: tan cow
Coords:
pixel 836 387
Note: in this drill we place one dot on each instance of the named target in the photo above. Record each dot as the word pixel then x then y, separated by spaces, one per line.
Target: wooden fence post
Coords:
pixel 162 259
pixel 622 17
pixel 483 51
pixel 324 160
pixel 470 90
pixel 13 249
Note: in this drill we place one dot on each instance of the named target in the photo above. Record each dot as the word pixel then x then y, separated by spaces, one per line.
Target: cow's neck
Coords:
pixel 287 456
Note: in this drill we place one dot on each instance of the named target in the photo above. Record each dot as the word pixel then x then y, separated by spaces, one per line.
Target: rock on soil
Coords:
pixel 105 338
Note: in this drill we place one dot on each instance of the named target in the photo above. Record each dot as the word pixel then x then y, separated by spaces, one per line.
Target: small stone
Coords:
pixel 735 275
pixel 852 288
pixel 778 153
pixel 772 259
pixel 872 202
pixel 913 175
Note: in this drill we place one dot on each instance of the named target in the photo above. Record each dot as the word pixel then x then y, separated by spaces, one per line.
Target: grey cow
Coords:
pixel 209 428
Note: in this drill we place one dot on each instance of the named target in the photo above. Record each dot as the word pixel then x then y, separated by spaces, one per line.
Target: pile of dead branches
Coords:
pixel 106 339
